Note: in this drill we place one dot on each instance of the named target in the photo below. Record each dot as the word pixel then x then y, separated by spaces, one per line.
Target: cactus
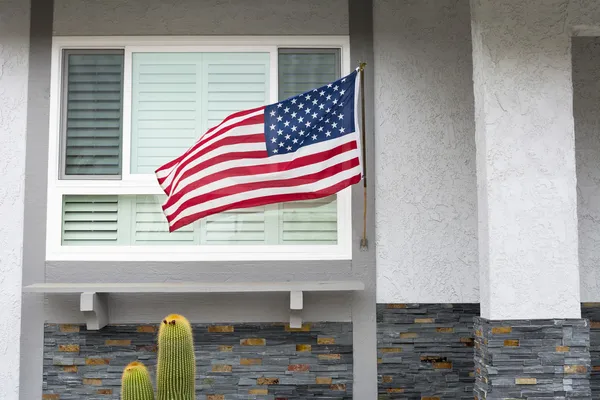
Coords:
pixel 135 383
pixel 176 368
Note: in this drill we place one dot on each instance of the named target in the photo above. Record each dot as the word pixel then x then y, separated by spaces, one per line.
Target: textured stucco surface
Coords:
pixel 586 111
pixel 426 185
pixel 206 17
pixel 14 56
pixel 525 159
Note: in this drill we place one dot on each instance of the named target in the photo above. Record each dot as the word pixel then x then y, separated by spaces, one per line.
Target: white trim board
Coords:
pixel 197 287
pixel 146 184
pixel 93 302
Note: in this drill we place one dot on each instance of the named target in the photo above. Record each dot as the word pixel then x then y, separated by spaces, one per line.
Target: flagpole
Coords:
pixel 364 242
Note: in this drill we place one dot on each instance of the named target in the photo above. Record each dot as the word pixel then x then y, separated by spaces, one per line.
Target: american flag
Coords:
pixel 305 147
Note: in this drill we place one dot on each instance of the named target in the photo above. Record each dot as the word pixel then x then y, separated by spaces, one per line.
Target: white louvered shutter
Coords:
pixel 93 114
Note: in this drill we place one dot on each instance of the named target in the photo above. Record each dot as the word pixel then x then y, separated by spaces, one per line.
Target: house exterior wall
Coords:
pixel 198 18
pixel 210 17
pixel 425 167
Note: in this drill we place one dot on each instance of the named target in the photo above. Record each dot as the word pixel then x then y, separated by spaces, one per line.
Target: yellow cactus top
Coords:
pixel 175 320
pixel 134 368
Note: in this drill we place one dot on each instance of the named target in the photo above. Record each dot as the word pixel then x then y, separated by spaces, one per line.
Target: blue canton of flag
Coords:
pixel 315 116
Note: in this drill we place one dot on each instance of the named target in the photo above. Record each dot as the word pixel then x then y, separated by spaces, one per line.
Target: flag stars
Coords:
pixel 294 128
pixel 328 133
pixel 280 144
pixel 301 133
pixel 301 119
pixel 334 125
pixel 272 113
pixel 336 87
pixel 300 106
pixel 320 129
pixel 289 148
pixel 286 110
pixel 280 132
pixel 295 140
pixel 286 123
pixel 279 118
pixel 314 137
pixel 307 97
pixel 294 101
pixel 314 115
pixel 279 105
pixel 272 127
pixel 335 101
pixel 342 129
pixel 341 116
pixel 342 91
pixel 307 124
pixel 273 140
pixel 322 93
pixel 321 106
pixel 294 114
pixel 315 101
pixel 328 97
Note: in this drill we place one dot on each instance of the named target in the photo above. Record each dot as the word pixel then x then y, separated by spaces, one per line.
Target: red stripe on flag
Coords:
pixel 257 119
pixel 310 159
pixel 279 183
pixel 261 201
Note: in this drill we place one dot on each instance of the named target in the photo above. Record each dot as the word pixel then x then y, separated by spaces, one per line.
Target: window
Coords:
pixel 121 110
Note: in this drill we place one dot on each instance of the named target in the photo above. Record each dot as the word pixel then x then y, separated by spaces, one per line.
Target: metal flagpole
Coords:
pixel 364 242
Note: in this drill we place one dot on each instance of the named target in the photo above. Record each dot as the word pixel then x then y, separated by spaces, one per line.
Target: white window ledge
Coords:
pixel 93 295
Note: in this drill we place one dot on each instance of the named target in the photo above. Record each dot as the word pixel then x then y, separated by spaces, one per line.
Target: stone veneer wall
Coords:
pixel 425 351
pixel 591 311
pixel 246 361
pixel 532 359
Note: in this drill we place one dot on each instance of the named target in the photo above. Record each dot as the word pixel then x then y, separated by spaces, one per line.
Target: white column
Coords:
pixel 525 160
pixel 14 64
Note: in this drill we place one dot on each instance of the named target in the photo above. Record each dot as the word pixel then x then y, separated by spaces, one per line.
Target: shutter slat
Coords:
pixel 93 104
pixel 151 227
pixel 90 220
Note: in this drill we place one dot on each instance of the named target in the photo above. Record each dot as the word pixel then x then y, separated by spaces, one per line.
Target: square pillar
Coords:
pixel 14 64
pixel 531 341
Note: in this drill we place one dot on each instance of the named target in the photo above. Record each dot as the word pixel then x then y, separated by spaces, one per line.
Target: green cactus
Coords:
pixel 135 383
pixel 176 368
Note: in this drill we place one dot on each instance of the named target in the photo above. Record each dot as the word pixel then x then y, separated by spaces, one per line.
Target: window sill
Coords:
pixel 201 253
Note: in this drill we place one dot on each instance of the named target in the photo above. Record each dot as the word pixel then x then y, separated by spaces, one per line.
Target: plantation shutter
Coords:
pixel 166 117
pixel 235 82
pixel 90 220
pixel 93 113
pixel 150 225
pixel 314 221
pixel 304 70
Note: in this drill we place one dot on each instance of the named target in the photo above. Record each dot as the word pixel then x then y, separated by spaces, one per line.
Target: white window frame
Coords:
pixel 131 184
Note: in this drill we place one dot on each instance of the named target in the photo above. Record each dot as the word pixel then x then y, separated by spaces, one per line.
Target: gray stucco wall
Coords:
pixel 206 17
pixel 586 110
pixel 425 166
pixel 14 62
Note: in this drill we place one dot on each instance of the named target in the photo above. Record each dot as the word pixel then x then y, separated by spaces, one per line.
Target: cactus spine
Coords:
pixel 135 383
pixel 176 368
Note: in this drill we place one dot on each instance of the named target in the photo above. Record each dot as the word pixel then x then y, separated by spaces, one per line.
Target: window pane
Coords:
pixel 315 221
pixel 139 220
pixel 303 70
pixel 178 96
pixel 92 122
